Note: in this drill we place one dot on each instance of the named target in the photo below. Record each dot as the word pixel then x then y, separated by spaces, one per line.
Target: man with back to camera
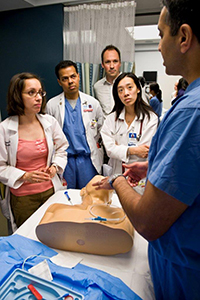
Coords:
pixel 111 62
pixel 81 118
pixel 167 214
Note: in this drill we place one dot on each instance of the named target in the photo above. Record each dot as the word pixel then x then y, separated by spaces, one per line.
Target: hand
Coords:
pixel 51 171
pixel 136 171
pixel 36 176
pixel 141 151
pixel 102 184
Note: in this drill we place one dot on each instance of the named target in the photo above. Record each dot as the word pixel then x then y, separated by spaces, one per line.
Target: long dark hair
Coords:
pixel 15 105
pixel 155 87
pixel 140 105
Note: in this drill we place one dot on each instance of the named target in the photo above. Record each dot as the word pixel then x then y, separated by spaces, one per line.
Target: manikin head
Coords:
pixel 96 196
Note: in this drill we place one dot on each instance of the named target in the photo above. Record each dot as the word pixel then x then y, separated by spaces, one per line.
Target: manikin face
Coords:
pixel 98 195
pixel 168 46
pixel 127 91
pixel 69 80
pixel 32 104
pixel 111 63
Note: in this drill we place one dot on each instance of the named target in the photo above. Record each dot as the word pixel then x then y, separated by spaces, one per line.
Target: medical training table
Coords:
pixel 132 267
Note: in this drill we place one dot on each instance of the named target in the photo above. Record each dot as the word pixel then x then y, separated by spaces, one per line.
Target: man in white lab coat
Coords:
pixel 81 119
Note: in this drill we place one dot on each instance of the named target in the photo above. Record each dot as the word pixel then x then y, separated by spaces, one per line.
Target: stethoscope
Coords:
pixel 138 136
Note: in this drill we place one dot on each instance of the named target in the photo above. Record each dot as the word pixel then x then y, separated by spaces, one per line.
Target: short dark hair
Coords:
pixel 15 105
pixel 65 64
pixel 182 12
pixel 110 47
pixel 140 105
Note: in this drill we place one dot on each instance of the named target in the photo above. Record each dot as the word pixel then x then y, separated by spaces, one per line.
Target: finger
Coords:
pixel 126 173
pixel 126 166
pixel 132 183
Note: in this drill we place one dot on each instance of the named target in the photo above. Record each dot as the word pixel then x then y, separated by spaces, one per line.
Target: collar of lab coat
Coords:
pixel 122 115
pixel 14 122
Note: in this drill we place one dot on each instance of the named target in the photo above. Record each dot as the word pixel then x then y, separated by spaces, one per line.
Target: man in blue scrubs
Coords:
pixel 81 119
pixel 168 213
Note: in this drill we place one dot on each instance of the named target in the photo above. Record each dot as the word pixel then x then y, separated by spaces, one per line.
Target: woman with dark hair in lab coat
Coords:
pixel 32 150
pixel 128 130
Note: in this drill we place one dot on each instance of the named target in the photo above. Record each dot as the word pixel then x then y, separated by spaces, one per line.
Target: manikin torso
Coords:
pixel 77 228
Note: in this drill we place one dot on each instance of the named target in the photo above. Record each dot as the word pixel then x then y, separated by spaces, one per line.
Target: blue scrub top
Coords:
pixel 79 170
pixel 174 167
pixel 74 130
pixel 156 105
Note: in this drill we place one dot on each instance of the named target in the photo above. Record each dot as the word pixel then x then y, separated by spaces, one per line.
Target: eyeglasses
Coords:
pixel 33 94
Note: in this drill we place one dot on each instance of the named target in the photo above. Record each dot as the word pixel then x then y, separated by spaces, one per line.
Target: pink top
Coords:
pixel 31 156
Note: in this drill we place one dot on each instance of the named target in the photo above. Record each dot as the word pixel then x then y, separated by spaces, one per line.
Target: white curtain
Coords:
pixel 88 29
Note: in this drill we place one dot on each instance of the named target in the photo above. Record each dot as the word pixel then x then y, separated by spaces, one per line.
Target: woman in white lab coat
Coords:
pixel 32 150
pixel 127 132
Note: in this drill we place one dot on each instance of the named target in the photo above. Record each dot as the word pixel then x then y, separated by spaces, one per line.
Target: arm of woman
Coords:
pixel 59 159
pixel 9 174
pixel 148 131
pixel 141 151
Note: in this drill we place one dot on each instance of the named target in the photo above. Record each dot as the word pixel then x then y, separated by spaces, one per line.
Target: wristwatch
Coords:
pixel 112 178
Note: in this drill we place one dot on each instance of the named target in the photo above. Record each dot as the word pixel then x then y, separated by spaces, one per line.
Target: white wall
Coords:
pixel 148 58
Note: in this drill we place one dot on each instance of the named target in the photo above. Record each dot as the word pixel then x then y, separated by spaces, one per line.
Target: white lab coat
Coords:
pixel 115 136
pixel 9 174
pixel 56 108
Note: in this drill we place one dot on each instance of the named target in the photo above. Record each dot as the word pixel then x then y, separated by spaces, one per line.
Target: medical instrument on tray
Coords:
pixel 38 296
pixel 33 290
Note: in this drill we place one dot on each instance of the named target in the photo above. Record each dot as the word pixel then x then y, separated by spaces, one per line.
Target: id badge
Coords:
pixel 93 123
pixel 132 139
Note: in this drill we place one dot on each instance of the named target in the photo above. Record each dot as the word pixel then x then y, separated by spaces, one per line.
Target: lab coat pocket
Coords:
pixel 120 139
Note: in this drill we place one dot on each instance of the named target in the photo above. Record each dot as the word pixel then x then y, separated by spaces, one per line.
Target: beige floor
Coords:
pixel 3 225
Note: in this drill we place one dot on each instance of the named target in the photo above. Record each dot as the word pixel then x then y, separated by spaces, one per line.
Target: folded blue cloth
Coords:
pixel 92 283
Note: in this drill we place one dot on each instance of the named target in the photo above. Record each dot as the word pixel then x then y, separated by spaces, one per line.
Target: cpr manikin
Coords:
pixel 95 226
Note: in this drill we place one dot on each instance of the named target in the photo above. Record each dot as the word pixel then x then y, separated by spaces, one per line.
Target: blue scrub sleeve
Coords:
pixel 174 158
